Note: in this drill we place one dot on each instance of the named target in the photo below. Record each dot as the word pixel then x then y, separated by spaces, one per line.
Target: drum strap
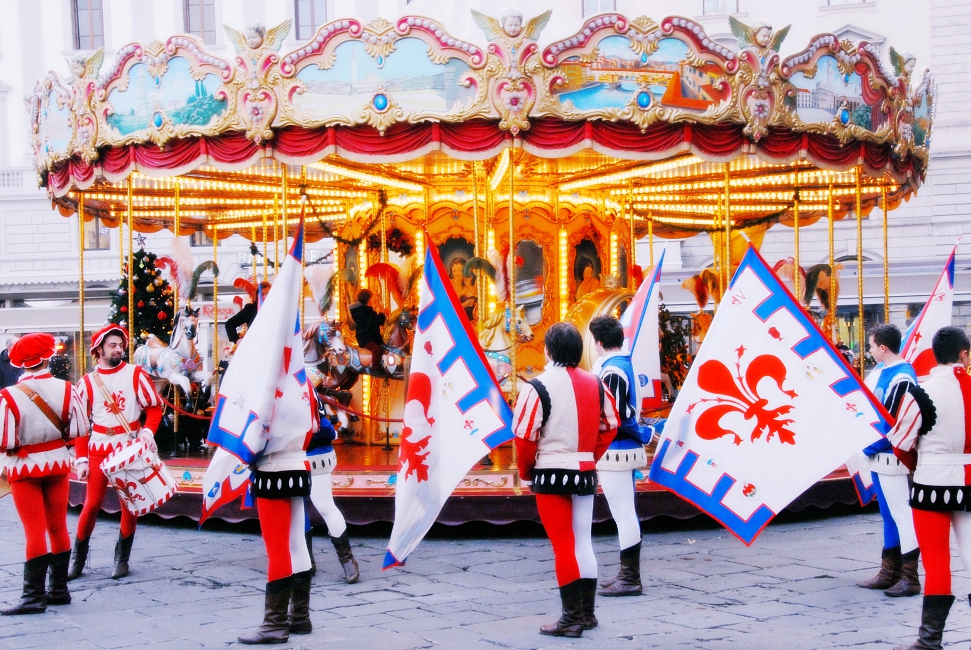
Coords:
pixel 44 407
pixel 111 403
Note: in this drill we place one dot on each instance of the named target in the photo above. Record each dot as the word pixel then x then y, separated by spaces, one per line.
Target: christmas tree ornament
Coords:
pixel 162 315
pixel 124 309
pixel 150 289
pixel 140 304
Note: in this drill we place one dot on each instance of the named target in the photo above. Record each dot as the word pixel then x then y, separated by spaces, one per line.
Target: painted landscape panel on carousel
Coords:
pixel 173 97
pixel 922 115
pixel 617 76
pixel 830 95
pixel 55 127
pixel 405 77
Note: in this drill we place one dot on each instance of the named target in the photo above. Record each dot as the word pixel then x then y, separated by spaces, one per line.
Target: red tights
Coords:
pixel 567 520
pixel 97 486
pixel 42 505
pixel 282 522
pixel 933 537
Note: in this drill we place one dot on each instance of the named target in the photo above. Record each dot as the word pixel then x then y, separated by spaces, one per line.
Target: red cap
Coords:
pixel 31 350
pixel 100 335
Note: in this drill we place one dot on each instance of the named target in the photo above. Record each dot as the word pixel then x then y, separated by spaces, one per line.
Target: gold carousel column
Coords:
pixel 632 255
pixel 512 274
pixel 832 264
pixel 215 313
pixel 650 235
pixel 176 218
pixel 562 241
pixel 265 250
pixel 861 334
pixel 304 202
pixel 82 359
pixel 276 234
pixel 727 213
pixel 131 280
pixel 490 243
pixel 796 275
pixel 477 248
pixel 886 256
pixel 367 396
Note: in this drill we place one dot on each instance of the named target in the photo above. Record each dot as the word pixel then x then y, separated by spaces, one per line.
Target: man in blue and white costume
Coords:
pixel 889 382
pixel 625 454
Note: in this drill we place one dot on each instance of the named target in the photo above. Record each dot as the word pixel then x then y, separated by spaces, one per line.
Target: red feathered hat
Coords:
pixel 112 328
pixel 31 350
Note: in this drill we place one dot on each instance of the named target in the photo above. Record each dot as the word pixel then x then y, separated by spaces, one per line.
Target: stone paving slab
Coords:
pixel 794 588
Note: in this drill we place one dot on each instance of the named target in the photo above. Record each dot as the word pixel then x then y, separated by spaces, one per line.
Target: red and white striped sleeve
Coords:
pixel 609 417
pixel 78 413
pixel 9 419
pixel 84 391
pixel 145 389
pixel 528 415
pixel 905 430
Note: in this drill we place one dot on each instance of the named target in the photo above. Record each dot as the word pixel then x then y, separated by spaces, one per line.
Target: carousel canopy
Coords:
pixel 653 120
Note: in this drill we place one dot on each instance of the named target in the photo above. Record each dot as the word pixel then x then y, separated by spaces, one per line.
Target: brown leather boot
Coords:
pixel 889 572
pixel 909 583
pixel 570 623
pixel 343 546
pixel 628 582
pixel 275 627
pixel 589 591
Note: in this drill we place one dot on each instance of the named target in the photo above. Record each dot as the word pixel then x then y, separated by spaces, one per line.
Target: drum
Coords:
pixel 142 480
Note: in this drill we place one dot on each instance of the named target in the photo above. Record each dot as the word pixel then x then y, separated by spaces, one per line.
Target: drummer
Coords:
pixel 39 417
pixel 121 403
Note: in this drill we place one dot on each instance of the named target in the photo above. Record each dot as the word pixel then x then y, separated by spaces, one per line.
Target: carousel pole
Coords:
pixel 861 334
pixel 511 273
pixel 265 251
pixel 832 263
pixel 728 217
pixel 477 248
pixel 886 256
pixel 276 233
pixel 304 202
pixel 386 298
pixel 131 280
pixel 252 257
pixel 215 314
pixel 82 359
pixel 796 277
pixel 121 243
pixel 650 235
pixel 561 237
pixel 176 218
pixel 632 255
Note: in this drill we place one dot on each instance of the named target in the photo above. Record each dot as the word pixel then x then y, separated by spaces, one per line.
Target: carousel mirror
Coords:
pixel 586 268
pixel 455 252
pixel 529 280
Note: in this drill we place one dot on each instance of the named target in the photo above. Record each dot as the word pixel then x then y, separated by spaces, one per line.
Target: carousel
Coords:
pixel 535 169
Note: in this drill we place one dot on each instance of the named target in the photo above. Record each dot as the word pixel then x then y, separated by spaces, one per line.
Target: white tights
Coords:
pixel 323 500
pixel 618 487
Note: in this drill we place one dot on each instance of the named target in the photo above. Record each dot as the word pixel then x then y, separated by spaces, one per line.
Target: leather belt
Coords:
pixel 114 431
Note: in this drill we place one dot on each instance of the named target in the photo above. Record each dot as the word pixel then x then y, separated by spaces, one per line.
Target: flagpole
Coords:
pixel 176 218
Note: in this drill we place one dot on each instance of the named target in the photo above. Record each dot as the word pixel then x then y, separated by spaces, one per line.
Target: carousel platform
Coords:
pixel 364 491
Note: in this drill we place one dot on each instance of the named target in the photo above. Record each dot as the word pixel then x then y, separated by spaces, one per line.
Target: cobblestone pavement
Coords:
pixel 486 588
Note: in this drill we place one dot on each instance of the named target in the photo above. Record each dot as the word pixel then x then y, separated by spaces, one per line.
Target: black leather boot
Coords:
pixel 310 549
pixel 34 598
pixel 628 582
pixel 571 623
pixel 122 554
pixel 80 557
pixel 589 603
pixel 57 591
pixel 932 618
pixel 889 572
pixel 275 627
pixel 300 604
pixel 346 557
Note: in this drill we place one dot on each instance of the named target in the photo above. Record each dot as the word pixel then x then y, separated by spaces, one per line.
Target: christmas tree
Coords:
pixel 153 301
pixel 675 358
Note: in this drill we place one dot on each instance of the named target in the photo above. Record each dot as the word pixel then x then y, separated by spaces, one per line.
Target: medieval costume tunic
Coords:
pixel 898 572
pixel 939 431
pixel 119 402
pixel 564 421
pixel 40 417
pixel 616 471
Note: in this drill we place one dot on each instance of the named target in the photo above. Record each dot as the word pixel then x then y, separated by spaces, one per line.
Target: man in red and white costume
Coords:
pixel 564 421
pixel 39 417
pixel 121 403
pixel 935 435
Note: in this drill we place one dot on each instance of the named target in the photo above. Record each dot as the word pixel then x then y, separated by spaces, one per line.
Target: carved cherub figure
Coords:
pixel 509 28
pixel 903 66
pixel 760 35
pixel 82 66
pixel 256 36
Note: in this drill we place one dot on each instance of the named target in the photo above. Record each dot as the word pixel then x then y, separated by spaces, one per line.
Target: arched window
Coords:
pixel 89 33
pixel 310 15
pixel 200 19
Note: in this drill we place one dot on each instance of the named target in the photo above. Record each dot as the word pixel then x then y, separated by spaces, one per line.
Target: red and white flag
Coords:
pixel 916 349
pixel 768 408
pixel 641 338
pixel 454 412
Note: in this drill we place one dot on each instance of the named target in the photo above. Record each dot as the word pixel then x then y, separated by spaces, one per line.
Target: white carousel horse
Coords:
pixel 178 362
pixel 496 338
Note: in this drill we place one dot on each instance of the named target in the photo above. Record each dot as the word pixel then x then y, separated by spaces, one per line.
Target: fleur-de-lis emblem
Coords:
pixel 738 392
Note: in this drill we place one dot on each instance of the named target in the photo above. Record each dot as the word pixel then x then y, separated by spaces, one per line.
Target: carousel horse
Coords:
pixel 325 349
pixel 496 338
pixel 178 362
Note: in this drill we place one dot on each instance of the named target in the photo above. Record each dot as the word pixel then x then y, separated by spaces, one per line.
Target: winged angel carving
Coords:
pixel 84 73
pixel 760 55
pixel 257 100
pixel 512 93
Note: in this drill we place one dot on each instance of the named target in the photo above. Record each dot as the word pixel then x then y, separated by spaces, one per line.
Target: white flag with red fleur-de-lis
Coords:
pixel 768 408
pixel 916 348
